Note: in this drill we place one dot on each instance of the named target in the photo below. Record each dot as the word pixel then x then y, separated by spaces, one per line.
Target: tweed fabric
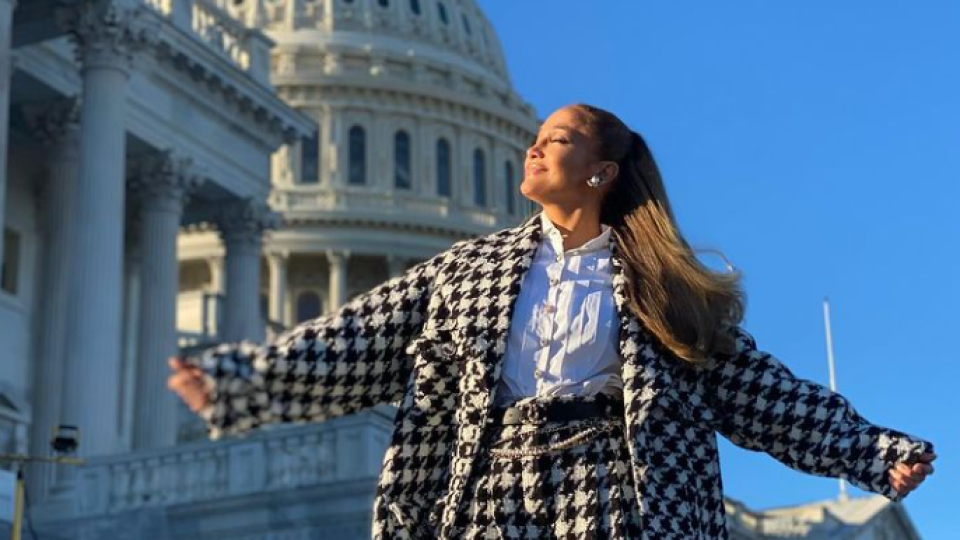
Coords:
pixel 433 341
pixel 583 491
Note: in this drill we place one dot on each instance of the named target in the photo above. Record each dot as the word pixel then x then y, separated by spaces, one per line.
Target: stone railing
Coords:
pixel 386 203
pixel 247 48
pixel 269 460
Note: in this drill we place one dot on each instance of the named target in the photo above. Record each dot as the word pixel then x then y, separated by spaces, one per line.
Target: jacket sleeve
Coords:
pixel 761 405
pixel 337 364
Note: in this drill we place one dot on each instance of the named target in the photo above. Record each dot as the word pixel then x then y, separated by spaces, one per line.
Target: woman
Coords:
pixel 561 379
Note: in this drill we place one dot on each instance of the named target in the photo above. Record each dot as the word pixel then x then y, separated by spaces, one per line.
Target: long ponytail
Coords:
pixel 685 305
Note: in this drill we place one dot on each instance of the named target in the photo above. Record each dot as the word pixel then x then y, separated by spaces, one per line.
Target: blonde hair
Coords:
pixel 685 305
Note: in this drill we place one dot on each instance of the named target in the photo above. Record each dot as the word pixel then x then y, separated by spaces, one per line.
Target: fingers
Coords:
pixel 178 363
pixel 189 383
pixel 905 477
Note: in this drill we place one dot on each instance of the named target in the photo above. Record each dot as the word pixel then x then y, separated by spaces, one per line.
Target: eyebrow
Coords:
pixel 554 128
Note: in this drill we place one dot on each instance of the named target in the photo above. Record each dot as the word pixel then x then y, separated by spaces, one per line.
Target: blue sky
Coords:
pixel 816 144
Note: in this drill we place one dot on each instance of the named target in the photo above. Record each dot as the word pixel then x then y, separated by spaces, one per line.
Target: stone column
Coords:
pixel 133 263
pixel 242 225
pixel 213 308
pixel 57 127
pixel 396 265
pixel 338 278
pixel 278 286
pixel 6 69
pixel 161 186
pixel 106 37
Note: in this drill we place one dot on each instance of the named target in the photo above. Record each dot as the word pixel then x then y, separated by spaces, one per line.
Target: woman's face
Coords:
pixel 560 161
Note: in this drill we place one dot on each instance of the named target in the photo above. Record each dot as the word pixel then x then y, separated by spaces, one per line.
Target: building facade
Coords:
pixel 175 173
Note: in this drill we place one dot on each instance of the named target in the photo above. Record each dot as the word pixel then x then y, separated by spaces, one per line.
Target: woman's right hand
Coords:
pixel 189 383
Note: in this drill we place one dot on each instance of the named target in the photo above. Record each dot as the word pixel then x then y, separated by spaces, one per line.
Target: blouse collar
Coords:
pixel 552 234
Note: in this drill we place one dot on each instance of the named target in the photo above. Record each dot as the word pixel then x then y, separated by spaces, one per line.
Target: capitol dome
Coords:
pixel 419 144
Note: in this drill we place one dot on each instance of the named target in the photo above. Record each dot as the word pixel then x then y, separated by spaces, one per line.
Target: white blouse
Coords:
pixel 563 335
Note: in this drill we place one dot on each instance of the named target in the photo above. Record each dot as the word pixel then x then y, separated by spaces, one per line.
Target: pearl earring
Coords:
pixel 594 181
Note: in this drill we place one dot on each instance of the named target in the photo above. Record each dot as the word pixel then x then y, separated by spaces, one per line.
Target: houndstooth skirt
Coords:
pixel 556 480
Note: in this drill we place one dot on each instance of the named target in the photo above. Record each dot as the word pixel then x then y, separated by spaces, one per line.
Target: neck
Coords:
pixel 577 226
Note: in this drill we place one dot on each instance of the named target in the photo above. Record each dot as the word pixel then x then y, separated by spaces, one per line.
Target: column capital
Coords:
pixel 337 256
pixel 52 120
pixel 277 255
pixel 107 33
pixel 245 221
pixel 164 181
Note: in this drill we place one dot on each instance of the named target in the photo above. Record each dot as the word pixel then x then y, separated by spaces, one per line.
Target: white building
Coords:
pixel 179 172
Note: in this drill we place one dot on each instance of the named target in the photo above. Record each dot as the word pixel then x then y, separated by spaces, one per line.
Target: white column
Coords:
pixel 338 278
pixel 215 266
pixel 396 265
pixel 161 186
pixel 105 38
pixel 57 127
pixel 6 29
pixel 278 286
pixel 241 227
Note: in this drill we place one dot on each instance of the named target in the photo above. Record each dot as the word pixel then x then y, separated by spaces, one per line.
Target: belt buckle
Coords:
pixel 511 415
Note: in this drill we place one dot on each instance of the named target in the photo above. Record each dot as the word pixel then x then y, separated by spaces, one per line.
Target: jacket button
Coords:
pixel 538 373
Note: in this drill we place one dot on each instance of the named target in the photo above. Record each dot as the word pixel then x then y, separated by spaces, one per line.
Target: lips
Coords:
pixel 534 169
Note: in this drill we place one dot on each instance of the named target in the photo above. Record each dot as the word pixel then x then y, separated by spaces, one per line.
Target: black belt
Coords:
pixel 539 413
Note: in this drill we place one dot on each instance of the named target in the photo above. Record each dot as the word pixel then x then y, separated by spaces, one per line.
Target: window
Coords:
pixel 479 178
pixel 466 24
pixel 415 6
pixel 443 168
pixel 10 273
pixel 308 306
pixel 442 11
pixel 401 159
pixel 384 3
pixel 358 156
pixel 508 175
pixel 310 159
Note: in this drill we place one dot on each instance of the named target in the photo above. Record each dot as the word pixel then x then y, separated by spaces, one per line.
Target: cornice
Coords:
pixel 187 54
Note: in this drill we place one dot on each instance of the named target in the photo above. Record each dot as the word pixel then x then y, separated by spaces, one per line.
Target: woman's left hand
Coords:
pixel 905 477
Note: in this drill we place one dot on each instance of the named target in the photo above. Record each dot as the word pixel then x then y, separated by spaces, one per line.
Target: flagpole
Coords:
pixel 833 376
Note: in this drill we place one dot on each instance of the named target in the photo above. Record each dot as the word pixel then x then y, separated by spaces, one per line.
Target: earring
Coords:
pixel 594 181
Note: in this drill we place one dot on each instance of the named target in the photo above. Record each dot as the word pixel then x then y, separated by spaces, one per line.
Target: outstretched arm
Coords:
pixel 761 405
pixel 336 364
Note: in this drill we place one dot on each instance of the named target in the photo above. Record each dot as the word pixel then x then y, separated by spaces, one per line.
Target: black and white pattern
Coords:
pixel 433 341
pixel 584 491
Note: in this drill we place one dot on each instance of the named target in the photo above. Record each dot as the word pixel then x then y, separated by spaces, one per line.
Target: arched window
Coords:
pixel 401 159
pixel 358 156
pixel 442 11
pixel 511 195
pixel 384 3
pixel 479 178
pixel 308 306
pixel 466 24
pixel 415 6
pixel 443 168
pixel 310 159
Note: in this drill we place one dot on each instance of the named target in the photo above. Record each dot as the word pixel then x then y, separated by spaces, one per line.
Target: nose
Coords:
pixel 534 151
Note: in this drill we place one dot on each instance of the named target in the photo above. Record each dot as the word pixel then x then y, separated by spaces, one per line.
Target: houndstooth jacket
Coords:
pixel 433 341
